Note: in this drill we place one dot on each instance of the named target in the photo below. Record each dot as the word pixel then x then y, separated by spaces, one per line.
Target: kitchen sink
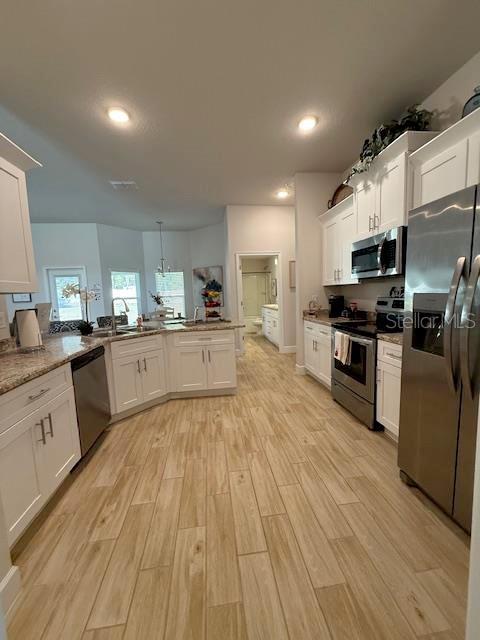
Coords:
pixel 103 333
pixel 136 329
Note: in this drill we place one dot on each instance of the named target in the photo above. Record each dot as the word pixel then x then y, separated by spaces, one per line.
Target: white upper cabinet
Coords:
pixel 448 163
pixel 382 195
pixel 339 227
pixel 17 263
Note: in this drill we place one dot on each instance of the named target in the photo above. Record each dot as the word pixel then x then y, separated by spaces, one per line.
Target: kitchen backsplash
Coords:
pixel 366 293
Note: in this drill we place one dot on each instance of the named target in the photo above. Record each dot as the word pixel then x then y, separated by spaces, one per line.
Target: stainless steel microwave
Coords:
pixel 380 255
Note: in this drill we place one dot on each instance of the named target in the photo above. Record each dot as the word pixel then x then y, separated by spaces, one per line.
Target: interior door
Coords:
pixel 153 376
pixel 431 386
pixel 221 367
pixel 66 308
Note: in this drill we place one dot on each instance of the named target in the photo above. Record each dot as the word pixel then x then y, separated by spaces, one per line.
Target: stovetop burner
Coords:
pixel 362 328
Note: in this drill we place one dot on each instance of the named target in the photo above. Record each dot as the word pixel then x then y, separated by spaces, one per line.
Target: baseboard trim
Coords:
pixel 288 349
pixel 9 589
pixel 300 370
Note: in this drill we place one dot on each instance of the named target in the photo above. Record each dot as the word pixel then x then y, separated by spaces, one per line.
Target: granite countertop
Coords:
pixel 322 318
pixel 394 338
pixel 16 367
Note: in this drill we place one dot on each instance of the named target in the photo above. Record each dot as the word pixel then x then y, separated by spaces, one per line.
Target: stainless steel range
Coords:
pixel 353 381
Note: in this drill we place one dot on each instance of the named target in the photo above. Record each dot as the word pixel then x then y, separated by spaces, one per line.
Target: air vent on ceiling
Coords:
pixel 124 185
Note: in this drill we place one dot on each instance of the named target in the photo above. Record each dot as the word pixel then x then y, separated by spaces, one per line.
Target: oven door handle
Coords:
pixel 448 324
pixel 367 343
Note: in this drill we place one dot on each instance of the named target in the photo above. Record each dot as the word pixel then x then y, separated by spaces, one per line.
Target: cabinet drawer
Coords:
pixel 21 402
pixel 190 339
pixel 317 329
pixel 133 346
pixel 390 353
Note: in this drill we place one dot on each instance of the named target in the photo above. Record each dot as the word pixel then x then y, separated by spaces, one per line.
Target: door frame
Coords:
pixel 239 292
pixel 83 283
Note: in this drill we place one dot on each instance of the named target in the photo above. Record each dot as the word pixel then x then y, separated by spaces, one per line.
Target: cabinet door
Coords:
pixel 221 366
pixel 20 486
pixel 191 368
pixel 310 355
pixel 324 351
pixel 364 199
pixel 275 331
pixel 473 165
pixel 153 374
pixel 61 450
pixel 127 382
pixel 388 396
pixel 346 236
pixel 441 175
pixel 330 252
pixel 17 264
pixel 391 194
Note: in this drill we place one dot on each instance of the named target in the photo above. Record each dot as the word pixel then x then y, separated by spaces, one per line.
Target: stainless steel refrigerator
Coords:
pixel 441 351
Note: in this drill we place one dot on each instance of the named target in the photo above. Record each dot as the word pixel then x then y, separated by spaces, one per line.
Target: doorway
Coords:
pixel 259 295
pixel 64 308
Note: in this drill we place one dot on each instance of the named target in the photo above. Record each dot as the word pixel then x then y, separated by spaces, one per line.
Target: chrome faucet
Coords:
pixel 195 314
pixel 114 322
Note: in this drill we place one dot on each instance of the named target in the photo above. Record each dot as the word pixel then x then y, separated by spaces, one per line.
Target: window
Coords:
pixel 126 285
pixel 171 287
pixel 66 308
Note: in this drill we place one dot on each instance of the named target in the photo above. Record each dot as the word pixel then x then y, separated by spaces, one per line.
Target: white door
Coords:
pixel 127 380
pixel 17 263
pixel 388 396
pixel 61 450
pixel 310 353
pixel 66 308
pixel 347 235
pixel 221 367
pixel 153 374
pixel 441 175
pixel 324 355
pixel 20 487
pixel 330 252
pixel 391 206
pixel 191 368
pixel 364 199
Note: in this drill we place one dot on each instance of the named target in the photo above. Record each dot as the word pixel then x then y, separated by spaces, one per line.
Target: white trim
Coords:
pixel 288 349
pixel 300 370
pixel 239 289
pixel 9 589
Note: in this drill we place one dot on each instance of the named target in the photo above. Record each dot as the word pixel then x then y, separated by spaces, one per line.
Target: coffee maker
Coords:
pixel 336 306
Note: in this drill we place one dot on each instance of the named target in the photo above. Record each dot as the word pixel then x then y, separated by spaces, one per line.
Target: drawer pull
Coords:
pixel 43 439
pixel 50 422
pixel 393 355
pixel 41 393
pixel 145 364
pixel 138 366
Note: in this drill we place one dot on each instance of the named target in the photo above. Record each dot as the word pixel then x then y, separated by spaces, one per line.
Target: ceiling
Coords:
pixel 215 89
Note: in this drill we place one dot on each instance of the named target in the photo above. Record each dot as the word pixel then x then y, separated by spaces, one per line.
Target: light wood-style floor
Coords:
pixel 269 515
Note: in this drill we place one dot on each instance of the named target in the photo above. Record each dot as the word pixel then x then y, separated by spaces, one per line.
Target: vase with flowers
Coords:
pixel 212 298
pixel 73 290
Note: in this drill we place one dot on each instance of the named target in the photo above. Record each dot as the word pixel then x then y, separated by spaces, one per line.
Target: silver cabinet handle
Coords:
pixel 370 223
pixel 50 422
pixel 145 364
pixel 203 356
pixel 316 345
pixel 375 223
pixel 448 323
pixel 393 355
pixel 138 366
pixel 41 393
pixel 467 329
pixel 209 359
pixel 43 439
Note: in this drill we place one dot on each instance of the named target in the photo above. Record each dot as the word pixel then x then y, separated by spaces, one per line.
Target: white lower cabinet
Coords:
pixel 221 367
pixel 318 351
pixel 389 376
pixel 191 370
pixel 138 378
pixel 271 325
pixel 36 453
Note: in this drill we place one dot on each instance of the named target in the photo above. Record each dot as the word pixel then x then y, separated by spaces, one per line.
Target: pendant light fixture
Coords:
pixel 161 267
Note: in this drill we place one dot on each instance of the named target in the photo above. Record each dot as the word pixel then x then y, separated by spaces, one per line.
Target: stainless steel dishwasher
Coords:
pixel 91 396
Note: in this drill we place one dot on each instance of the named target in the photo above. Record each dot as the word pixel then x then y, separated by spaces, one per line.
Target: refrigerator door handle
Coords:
pixel 468 383
pixel 448 323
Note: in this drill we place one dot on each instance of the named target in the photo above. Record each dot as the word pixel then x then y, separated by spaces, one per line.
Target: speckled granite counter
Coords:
pixel 16 368
pixel 394 338
pixel 324 319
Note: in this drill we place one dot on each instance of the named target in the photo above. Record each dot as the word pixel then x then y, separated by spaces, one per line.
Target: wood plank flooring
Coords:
pixel 269 515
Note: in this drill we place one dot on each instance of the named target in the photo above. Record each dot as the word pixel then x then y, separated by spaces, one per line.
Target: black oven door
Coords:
pixel 359 374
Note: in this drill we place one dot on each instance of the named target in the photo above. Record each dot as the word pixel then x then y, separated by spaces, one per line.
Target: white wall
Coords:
pixel 64 245
pixel 262 229
pixel 312 192
pixel 448 99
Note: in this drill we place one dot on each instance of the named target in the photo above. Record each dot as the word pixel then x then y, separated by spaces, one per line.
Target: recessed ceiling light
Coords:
pixel 282 194
pixel 118 115
pixel 308 123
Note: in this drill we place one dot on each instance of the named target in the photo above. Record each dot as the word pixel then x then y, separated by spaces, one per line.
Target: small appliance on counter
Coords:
pixel 27 330
pixel 336 306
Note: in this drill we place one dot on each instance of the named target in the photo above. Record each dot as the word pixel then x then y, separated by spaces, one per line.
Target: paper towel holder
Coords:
pixel 26 330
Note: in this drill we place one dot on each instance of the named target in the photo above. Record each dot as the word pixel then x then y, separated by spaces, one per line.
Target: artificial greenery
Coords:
pixel 414 119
